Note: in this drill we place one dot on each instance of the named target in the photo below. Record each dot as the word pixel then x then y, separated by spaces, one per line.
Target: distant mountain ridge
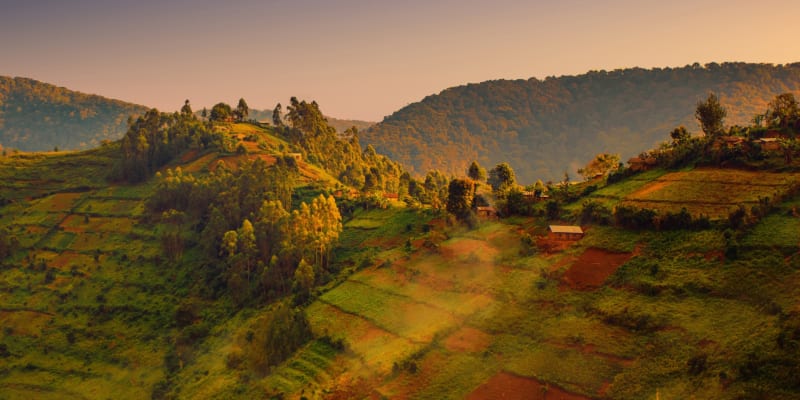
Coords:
pixel 36 116
pixel 546 127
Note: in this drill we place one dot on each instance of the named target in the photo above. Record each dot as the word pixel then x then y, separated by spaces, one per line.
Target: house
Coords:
pixel 565 232
pixel 529 195
pixel 772 134
pixel 769 144
pixel 727 142
pixel 487 212
pixel 642 164
pixel 296 156
pixel 391 196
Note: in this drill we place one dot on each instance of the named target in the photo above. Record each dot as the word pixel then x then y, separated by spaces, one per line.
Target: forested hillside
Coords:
pixel 546 127
pixel 39 116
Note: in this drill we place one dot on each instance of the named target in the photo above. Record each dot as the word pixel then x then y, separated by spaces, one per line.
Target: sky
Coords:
pixel 367 59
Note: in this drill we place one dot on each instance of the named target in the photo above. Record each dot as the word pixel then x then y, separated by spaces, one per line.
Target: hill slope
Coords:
pixel 543 128
pixel 39 116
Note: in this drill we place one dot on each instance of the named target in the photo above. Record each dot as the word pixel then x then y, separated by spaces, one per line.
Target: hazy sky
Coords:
pixel 366 59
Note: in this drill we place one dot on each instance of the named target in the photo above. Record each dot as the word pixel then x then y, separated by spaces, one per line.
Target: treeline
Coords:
pixel 341 155
pixel 544 127
pixel 36 116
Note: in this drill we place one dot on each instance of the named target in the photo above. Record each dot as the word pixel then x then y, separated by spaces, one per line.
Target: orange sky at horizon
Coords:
pixel 367 59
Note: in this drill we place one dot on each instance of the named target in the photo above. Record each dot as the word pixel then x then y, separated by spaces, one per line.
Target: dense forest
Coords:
pixel 37 116
pixel 546 127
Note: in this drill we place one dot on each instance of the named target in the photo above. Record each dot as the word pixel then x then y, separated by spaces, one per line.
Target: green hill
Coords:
pixel 195 260
pixel 545 127
pixel 36 116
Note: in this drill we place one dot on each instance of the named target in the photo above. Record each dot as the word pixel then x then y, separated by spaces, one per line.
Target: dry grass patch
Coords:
pixel 24 322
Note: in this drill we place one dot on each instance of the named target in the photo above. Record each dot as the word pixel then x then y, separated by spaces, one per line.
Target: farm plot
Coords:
pixel 59 202
pixel 710 192
pixel 111 207
pixel 401 315
pixel 79 224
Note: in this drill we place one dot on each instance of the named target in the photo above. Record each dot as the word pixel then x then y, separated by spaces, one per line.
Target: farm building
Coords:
pixel 769 144
pixel 487 212
pixel 642 164
pixel 565 232
pixel 728 142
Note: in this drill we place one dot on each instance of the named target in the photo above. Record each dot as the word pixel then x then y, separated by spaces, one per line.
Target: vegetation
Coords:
pixel 238 260
pixel 543 127
pixel 36 116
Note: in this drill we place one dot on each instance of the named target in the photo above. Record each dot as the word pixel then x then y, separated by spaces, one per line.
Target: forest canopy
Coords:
pixel 545 127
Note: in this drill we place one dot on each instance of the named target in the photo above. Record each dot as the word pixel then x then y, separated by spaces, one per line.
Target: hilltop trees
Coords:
pixel 155 138
pixel 502 177
pixel 277 115
pixel 680 135
pixel 242 110
pixel 476 172
pixel 782 111
pixel 710 114
pixel 602 164
pixel 460 195
pixel 220 112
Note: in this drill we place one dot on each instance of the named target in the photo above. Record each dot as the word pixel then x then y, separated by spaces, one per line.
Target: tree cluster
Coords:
pixel 153 139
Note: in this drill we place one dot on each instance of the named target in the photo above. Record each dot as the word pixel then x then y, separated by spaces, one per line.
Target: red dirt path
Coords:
pixel 511 387
pixel 593 267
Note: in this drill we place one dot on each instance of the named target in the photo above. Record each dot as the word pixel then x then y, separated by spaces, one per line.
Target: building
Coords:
pixel 642 164
pixel 487 212
pixel 565 232
pixel 769 144
pixel 391 196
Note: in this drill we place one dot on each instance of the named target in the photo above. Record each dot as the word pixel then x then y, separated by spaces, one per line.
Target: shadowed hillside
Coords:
pixel 544 127
pixel 38 116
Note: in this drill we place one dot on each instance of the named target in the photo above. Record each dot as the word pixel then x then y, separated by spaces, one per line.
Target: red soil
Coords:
pixel 189 155
pixel 467 339
pixel 593 267
pixel 510 387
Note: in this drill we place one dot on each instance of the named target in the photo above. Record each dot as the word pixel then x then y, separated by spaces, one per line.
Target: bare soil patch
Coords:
pixel 649 188
pixel 593 267
pixel 189 155
pixel 478 250
pixel 512 387
pixel 199 163
pixel 467 339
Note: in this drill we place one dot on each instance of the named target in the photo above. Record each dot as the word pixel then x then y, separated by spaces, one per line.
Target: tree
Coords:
pixel 680 135
pixel 242 111
pixel 476 172
pixel 277 116
pixel 186 110
pixel 304 276
pixel 460 195
pixel 782 111
pixel 602 164
pixel 502 177
pixel 220 112
pixel 710 114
